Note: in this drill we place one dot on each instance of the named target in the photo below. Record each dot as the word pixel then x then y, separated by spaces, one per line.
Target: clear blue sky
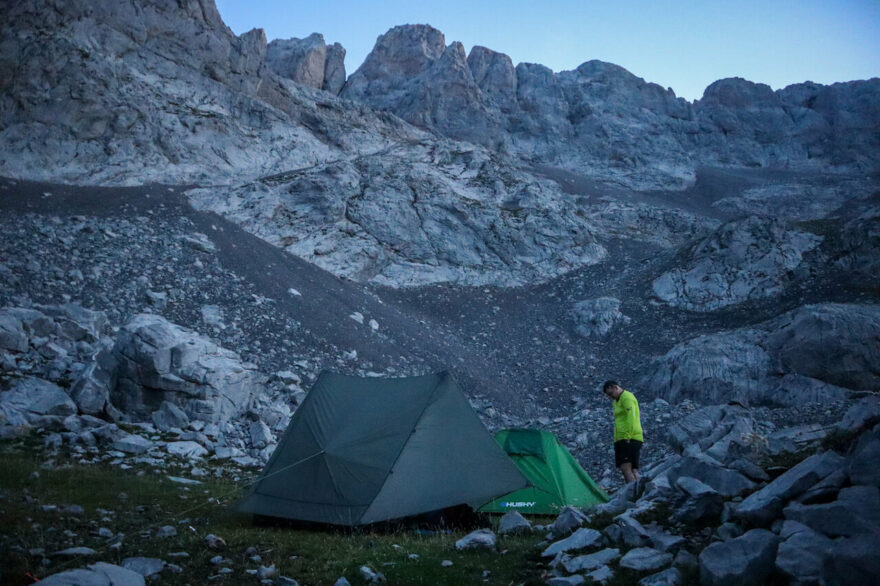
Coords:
pixel 685 45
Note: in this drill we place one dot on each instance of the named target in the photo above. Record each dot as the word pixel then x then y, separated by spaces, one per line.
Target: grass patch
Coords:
pixel 136 503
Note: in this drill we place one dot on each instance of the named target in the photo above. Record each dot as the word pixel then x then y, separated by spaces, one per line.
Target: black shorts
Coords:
pixel 627 451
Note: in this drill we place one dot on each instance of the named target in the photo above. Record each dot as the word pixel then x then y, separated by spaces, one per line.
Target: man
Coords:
pixel 628 436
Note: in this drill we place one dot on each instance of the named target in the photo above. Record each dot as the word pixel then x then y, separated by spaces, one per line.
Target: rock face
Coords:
pixel 600 115
pixel 432 213
pixel 810 353
pixel 158 361
pixel 79 87
pixel 746 259
pixel 309 62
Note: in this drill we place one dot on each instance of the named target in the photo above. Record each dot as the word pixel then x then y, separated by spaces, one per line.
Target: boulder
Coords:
pixel 133 444
pixel 146 567
pixel 186 449
pixel 845 517
pixel 853 560
pixel 802 552
pixel 302 60
pixel 864 413
pixel 91 389
pixel 832 342
pixel 32 398
pixel 568 520
pixel 748 559
pixel 513 523
pixel 728 483
pixel 12 334
pixel 159 361
pixel 481 538
pixel 645 559
pixel 169 416
pixel 260 434
pixel 668 577
pixel 589 562
pixel 583 538
pixel 701 503
pixel 596 317
pixel 861 464
pixel 98 574
pixel 765 505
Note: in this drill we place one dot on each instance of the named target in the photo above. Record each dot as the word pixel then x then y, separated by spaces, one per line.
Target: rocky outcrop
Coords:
pixel 812 353
pixel 309 62
pixel 429 213
pixel 132 92
pixel 596 317
pixel 742 260
pixel 602 116
pixel 157 361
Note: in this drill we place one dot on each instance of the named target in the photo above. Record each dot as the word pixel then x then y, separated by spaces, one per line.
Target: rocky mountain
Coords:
pixel 605 122
pixel 533 232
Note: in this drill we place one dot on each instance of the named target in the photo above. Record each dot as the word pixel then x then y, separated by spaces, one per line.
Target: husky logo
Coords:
pixel 517 504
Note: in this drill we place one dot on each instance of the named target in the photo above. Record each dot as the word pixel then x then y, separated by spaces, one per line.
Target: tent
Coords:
pixel 557 479
pixel 365 450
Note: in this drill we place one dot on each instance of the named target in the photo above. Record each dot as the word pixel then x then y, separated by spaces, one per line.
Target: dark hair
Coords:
pixel 608 384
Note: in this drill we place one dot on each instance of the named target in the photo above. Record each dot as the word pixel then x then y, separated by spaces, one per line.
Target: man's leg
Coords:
pixel 627 470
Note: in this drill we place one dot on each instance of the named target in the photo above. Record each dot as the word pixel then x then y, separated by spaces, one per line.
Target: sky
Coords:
pixel 685 45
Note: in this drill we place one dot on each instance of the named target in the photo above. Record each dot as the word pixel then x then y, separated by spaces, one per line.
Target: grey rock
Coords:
pixel 186 449
pixel 302 60
pixel 831 342
pixel 583 538
pixel 146 567
pixel 745 365
pixel 12 334
pixel 91 390
pixel 745 560
pixel 481 538
pixel 166 531
pixel 214 541
pixel 701 502
pixel 632 533
pixel 169 416
pixel 34 397
pixel 725 481
pixel 668 577
pixel 853 560
pixel 133 444
pixel 845 517
pixel 601 575
pixel 371 575
pixel 761 507
pixel 98 574
pixel 334 69
pixel 574 580
pixel 861 463
pixel 342 582
pixel 743 260
pixel 663 540
pixel 74 551
pixel 802 553
pixel 589 562
pixel 645 559
pixel 728 530
pixel 159 361
pixel 864 413
pixel 567 521
pixel 260 434
pixel 596 317
pixel 512 523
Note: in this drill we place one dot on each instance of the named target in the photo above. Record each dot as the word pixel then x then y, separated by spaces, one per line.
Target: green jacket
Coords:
pixel 627 425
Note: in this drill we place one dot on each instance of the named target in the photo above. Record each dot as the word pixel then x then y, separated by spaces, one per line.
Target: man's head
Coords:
pixel 612 389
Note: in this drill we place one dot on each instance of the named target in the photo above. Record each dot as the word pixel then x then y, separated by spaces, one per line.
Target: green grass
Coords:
pixel 311 556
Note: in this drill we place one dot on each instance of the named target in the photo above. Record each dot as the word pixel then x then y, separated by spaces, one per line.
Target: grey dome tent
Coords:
pixel 365 450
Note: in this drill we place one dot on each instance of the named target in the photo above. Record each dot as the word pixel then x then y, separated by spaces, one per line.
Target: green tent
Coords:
pixel 557 479
pixel 365 450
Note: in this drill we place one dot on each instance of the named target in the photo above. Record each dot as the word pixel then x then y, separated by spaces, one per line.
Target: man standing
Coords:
pixel 628 436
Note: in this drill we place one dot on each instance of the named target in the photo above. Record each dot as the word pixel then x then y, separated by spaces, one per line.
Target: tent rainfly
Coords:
pixel 365 450
pixel 557 478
